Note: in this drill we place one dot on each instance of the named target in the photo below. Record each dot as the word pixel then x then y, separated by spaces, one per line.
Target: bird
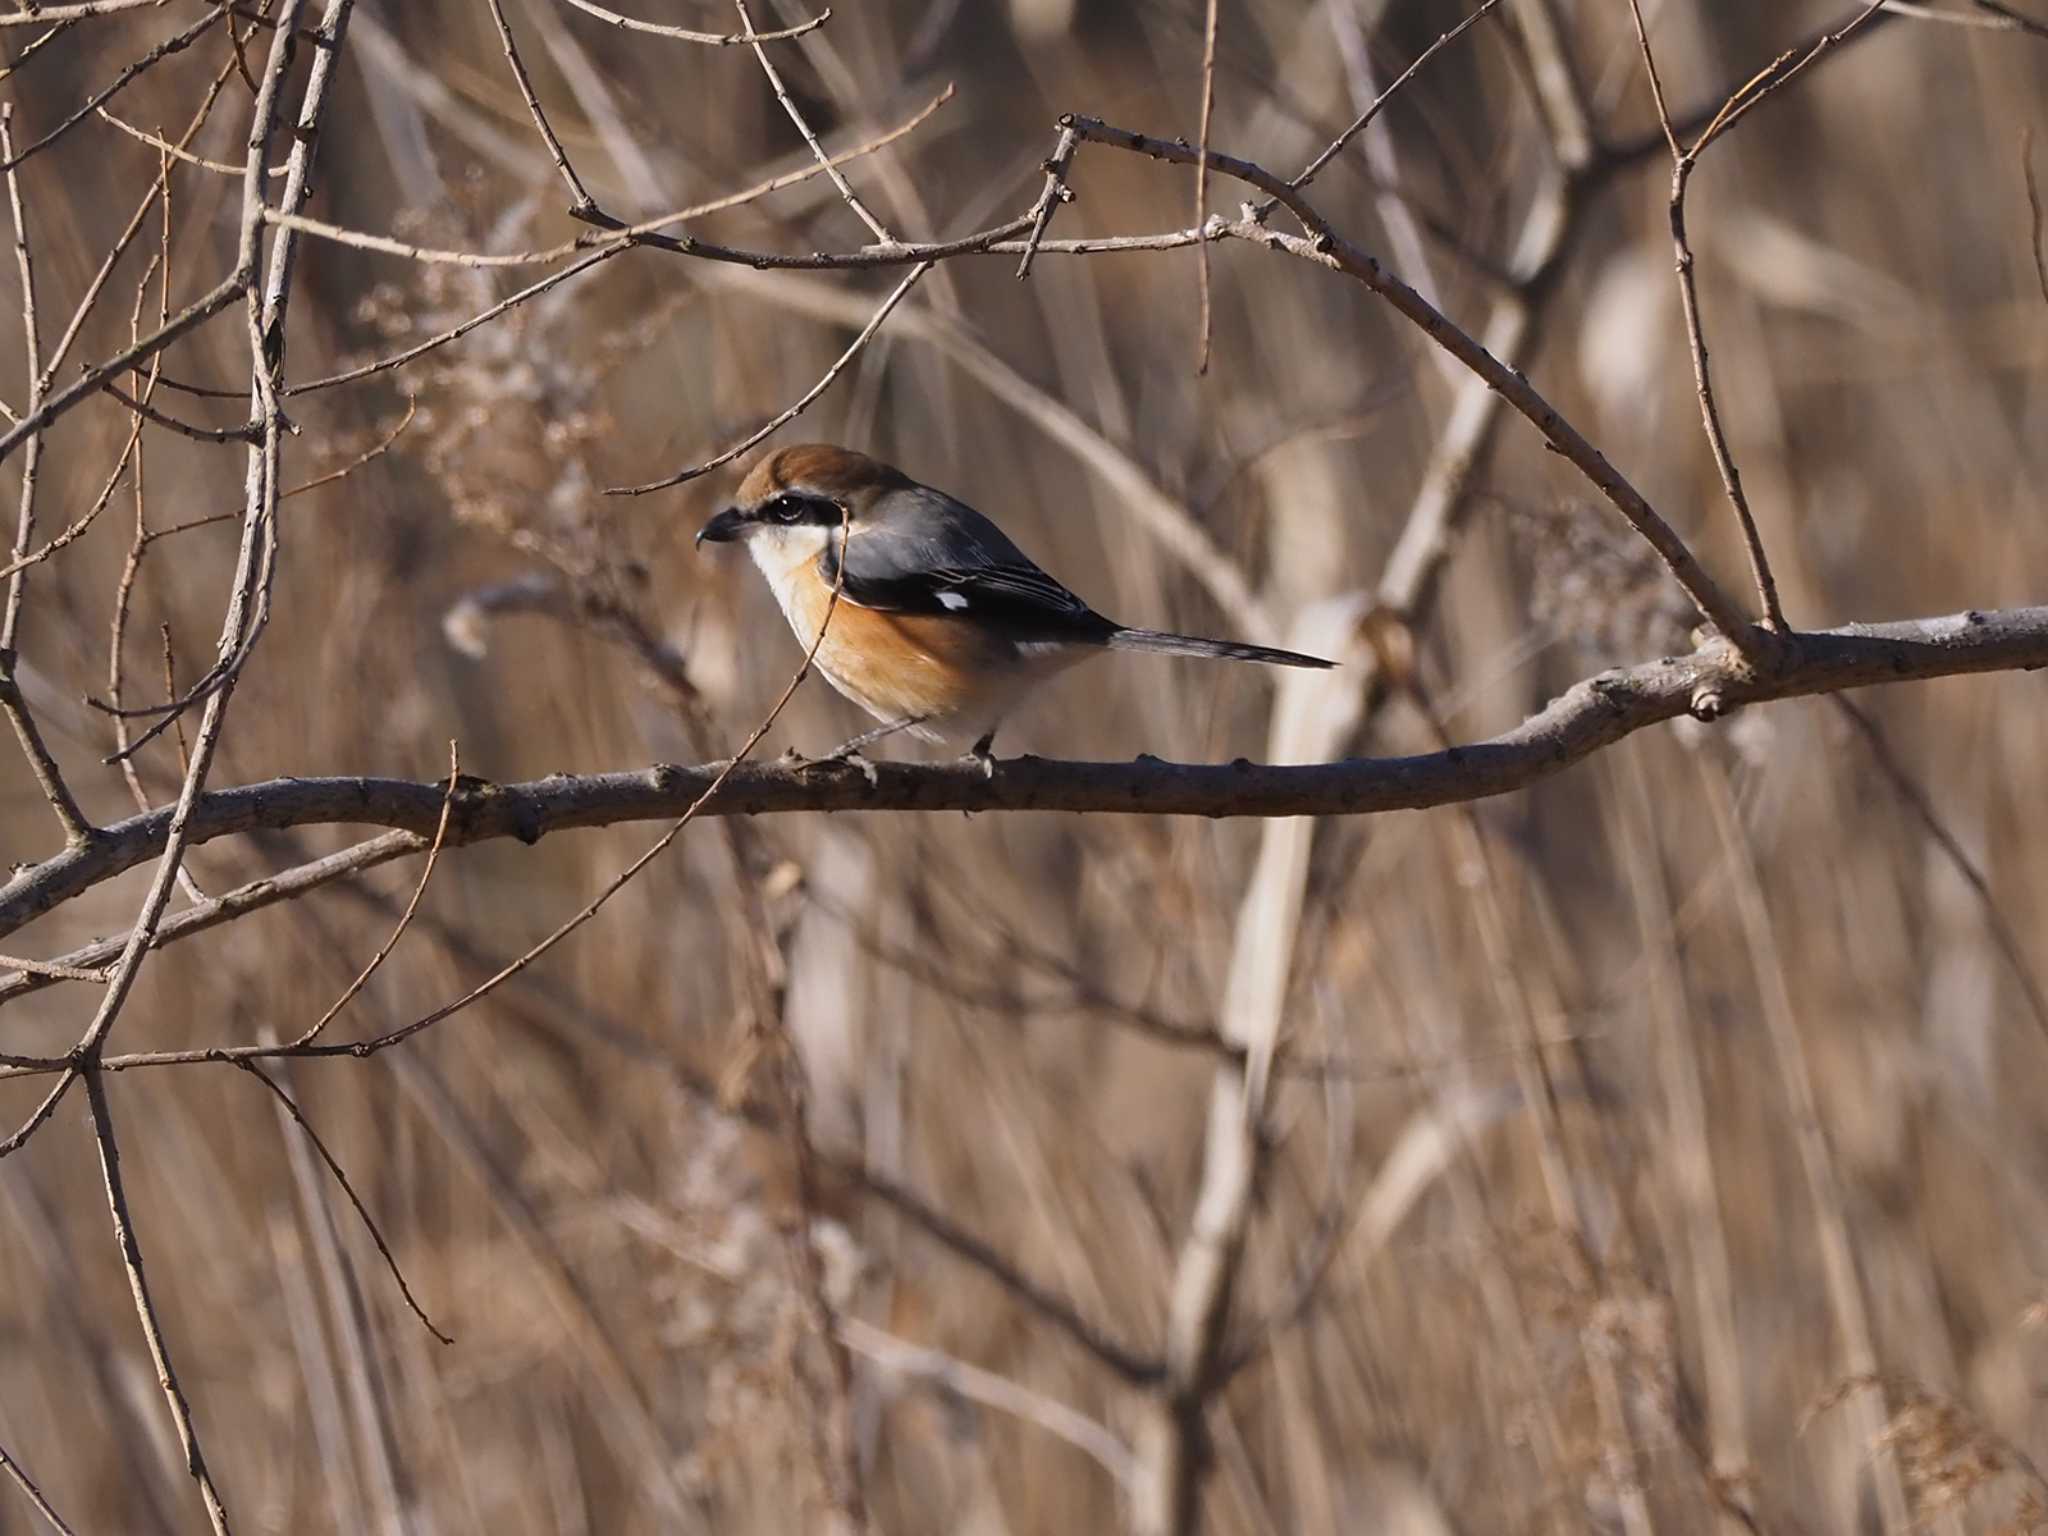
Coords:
pixel 941 624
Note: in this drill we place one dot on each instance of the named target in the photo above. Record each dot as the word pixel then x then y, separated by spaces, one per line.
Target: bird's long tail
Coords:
pixel 1190 645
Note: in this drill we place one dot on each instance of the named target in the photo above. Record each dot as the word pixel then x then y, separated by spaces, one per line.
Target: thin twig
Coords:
pixel 15 1470
pixel 1204 318
pixel 797 407
pixel 2004 12
pixel 56 970
pixel 49 776
pixel 35 47
pixel 1089 1436
pixel 580 199
pixel 138 547
pixel 404 918
pixel 92 961
pixel 145 1306
pixel 1127 1364
pixel 1682 163
pixel 340 472
pixel 40 1115
pixel 341 1177
pixel 1000 240
pixel 148 412
pixel 1930 819
pixel 2037 223
pixel 1989 20
pixel 1373 108
pixel 176 43
pixel 375 451
pixel 159 187
pixel 193 315
pixel 77 527
pixel 598 254
pixel 846 192
pixel 624 236
pixel 456 332
pixel 176 152
pixel 1781 72
pixel 80 11
pixel 711 39
pixel 1056 191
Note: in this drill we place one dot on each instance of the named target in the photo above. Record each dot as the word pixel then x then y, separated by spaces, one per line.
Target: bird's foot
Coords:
pixel 983 753
pixel 847 753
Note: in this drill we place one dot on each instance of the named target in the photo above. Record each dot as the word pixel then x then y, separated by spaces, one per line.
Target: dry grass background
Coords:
pixel 1697 921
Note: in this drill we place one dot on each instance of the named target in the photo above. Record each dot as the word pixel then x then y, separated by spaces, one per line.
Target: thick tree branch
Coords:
pixel 1593 713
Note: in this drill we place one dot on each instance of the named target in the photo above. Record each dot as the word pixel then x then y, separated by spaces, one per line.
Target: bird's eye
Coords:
pixel 793 507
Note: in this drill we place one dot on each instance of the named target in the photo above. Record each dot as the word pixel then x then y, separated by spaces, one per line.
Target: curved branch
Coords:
pixel 1591 714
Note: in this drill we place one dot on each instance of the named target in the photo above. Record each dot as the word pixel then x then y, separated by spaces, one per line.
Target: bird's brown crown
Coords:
pixel 823 467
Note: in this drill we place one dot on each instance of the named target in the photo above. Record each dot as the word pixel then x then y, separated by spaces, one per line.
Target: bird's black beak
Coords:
pixel 722 529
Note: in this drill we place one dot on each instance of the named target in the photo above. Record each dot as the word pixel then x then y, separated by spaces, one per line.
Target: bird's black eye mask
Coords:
pixel 790 509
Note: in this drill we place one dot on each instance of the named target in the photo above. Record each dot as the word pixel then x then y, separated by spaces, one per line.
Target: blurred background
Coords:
pixel 1665 1139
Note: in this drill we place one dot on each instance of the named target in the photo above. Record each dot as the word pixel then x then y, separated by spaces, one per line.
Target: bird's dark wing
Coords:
pixel 934 555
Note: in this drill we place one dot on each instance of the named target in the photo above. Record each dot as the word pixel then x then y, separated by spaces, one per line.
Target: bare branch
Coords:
pixel 43 14
pixel 15 1470
pixel 89 382
pixel 1781 72
pixel 1360 123
pixel 55 970
pixel 1591 714
pixel 1125 1362
pixel 159 188
pixel 580 199
pixel 148 412
pixel 846 192
pixel 1982 21
pixel 1682 163
pixel 289 1107
pixel 145 1306
pixel 1924 812
pixel 713 39
pixel 971 1382
pixel 625 239
pixel 49 777
pixel 2037 222
pixel 404 921
pixel 176 43
pixel 1056 192
pixel 1203 319
pixel 91 962
pixel 178 152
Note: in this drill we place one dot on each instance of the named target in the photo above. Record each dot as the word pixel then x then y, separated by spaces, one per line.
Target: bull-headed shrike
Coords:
pixel 942 624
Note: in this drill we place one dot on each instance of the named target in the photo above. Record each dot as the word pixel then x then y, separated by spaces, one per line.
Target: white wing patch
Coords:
pixel 953 600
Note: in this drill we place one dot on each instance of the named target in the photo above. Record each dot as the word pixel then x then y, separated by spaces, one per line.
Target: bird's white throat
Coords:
pixel 781 554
